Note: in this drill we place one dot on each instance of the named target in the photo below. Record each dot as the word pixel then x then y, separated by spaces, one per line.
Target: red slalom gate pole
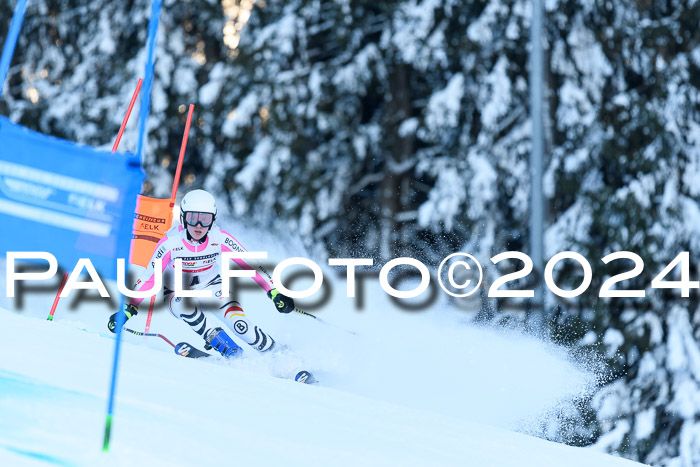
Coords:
pixel 150 314
pixel 114 149
pixel 126 117
pixel 58 296
pixel 180 158
pixel 176 182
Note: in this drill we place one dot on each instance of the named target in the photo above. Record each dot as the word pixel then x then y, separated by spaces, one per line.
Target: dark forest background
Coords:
pixel 401 128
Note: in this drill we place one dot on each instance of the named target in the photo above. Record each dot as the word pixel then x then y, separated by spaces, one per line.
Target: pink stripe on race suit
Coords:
pixel 148 285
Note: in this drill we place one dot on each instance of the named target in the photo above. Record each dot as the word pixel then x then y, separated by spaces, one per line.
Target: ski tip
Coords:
pixel 305 377
pixel 183 349
pixel 186 350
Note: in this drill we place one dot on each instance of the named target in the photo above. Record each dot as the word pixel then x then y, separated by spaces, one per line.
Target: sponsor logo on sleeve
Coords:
pixel 233 245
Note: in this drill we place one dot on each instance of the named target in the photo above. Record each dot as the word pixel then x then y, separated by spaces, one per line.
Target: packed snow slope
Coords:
pixel 404 388
pixel 177 411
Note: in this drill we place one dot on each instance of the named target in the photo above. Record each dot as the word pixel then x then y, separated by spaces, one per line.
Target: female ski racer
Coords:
pixel 199 243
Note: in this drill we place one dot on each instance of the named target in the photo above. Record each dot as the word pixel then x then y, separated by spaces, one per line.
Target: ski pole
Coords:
pixel 183 349
pixel 325 323
pixel 149 334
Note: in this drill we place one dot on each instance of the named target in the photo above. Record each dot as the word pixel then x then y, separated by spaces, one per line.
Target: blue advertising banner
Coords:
pixel 70 200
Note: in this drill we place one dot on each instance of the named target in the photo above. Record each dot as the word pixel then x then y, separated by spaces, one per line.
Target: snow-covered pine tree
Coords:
pixel 375 126
pixel 623 176
pixel 77 62
pixel 315 106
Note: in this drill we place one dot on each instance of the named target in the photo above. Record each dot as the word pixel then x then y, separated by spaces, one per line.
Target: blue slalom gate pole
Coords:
pixel 148 76
pixel 113 385
pixel 143 115
pixel 11 41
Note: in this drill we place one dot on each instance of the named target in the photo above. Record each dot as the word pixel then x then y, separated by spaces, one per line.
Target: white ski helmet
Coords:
pixel 197 201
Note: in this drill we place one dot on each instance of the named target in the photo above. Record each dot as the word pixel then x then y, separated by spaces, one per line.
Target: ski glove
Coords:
pixel 283 303
pixel 129 311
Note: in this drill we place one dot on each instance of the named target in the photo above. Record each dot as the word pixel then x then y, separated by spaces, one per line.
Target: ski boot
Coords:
pixel 221 342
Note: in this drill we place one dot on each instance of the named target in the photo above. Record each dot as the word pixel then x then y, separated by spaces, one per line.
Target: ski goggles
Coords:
pixel 205 219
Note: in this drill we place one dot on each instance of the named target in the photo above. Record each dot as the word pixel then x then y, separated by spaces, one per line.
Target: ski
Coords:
pixel 183 348
pixel 305 377
pixel 186 350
